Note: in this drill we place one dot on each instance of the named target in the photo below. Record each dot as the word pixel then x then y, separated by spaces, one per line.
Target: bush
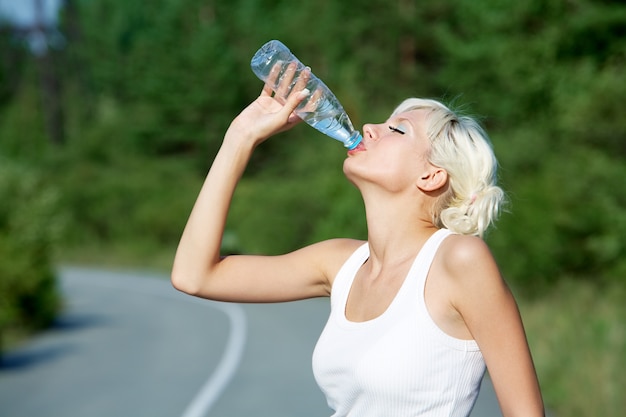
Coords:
pixel 29 298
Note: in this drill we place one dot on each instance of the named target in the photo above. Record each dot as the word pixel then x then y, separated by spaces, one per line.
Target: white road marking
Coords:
pixel 227 366
pixel 233 351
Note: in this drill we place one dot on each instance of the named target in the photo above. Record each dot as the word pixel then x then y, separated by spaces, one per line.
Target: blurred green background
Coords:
pixel 107 131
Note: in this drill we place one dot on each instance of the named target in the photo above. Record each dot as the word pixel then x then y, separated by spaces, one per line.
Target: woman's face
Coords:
pixel 392 154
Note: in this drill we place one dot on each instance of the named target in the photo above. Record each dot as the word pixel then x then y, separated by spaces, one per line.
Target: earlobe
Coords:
pixel 433 180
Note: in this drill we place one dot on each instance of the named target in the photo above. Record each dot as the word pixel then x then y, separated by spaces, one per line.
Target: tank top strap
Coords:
pixel 421 266
pixel 345 276
pixel 417 286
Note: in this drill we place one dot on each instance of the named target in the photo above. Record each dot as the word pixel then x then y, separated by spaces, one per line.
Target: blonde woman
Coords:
pixel 419 310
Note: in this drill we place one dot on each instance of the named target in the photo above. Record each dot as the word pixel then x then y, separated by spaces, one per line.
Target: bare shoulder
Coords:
pixel 333 253
pixel 469 265
pixel 461 251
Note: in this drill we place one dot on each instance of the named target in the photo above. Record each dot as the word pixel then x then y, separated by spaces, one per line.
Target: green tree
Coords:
pixel 29 227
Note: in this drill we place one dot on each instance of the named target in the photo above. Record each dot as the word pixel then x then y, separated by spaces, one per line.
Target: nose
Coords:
pixel 369 132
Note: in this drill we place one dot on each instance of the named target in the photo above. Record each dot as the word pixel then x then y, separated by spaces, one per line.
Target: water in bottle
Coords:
pixel 320 109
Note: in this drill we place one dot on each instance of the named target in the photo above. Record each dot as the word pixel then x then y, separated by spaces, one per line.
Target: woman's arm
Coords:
pixel 198 268
pixel 492 317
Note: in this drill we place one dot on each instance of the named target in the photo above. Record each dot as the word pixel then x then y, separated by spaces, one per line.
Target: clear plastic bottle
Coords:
pixel 320 109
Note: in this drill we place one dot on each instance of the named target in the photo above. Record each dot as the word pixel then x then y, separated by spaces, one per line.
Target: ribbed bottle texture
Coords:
pixel 320 109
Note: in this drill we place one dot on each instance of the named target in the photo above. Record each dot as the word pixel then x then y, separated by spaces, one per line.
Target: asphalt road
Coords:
pixel 128 345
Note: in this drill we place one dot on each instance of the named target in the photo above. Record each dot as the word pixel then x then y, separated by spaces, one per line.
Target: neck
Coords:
pixel 398 225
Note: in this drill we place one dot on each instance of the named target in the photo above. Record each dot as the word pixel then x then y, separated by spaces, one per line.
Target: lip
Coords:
pixel 359 148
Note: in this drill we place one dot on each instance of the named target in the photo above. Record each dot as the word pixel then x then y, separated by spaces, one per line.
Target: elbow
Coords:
pixel 184 283
pixel 177 281
pixel 194 280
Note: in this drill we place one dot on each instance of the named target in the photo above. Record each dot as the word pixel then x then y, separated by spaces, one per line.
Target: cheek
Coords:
pixel 405 169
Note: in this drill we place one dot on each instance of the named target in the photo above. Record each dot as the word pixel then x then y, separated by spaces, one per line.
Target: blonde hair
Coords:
pixel 459 145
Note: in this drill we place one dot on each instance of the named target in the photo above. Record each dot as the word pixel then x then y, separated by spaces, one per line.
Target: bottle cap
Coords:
pixel 354 140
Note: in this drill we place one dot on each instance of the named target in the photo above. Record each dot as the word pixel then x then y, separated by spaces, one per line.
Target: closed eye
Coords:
pixel 397 130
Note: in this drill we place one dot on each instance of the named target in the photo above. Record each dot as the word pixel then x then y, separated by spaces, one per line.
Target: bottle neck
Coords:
pixel 354 140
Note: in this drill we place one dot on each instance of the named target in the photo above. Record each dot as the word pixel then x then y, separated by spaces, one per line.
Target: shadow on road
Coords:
pixel 34 354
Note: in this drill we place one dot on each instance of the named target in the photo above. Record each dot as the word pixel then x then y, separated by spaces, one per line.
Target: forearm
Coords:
pixel 198 253
pixel 199 248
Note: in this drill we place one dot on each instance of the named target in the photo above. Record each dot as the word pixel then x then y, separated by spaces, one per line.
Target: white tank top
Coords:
pixel 400 363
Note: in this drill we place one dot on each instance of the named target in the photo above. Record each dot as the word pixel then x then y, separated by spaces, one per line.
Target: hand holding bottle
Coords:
pixel 272 112
pixel 321 110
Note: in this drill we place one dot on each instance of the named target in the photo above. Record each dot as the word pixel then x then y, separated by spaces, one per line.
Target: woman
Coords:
pixel 419 309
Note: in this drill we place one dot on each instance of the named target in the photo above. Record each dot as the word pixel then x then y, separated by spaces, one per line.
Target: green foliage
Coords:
pixel 124 198
pixel 576 333
pixel 21 125
pixel 29 227
pixel 11 62
pixel 307 203
pixel 568 219
pixel 158 78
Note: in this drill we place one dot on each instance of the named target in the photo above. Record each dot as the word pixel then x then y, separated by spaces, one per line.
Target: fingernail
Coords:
pixel 304 93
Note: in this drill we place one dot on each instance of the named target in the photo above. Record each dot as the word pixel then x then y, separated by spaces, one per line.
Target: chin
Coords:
pixel 350 173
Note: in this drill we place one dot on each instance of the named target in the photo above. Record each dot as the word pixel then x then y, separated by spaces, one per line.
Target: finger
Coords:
pixel 272 77
pixel 284 87
pixel 303 79
pixel 267 91
pixel 313 102
pixel 316 98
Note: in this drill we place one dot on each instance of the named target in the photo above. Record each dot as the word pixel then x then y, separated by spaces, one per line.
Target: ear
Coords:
pixel 433 179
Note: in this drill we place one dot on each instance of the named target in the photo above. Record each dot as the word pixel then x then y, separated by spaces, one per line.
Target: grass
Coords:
pixel 577 334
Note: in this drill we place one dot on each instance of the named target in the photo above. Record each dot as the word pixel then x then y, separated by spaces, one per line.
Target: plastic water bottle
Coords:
pixel 320 109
